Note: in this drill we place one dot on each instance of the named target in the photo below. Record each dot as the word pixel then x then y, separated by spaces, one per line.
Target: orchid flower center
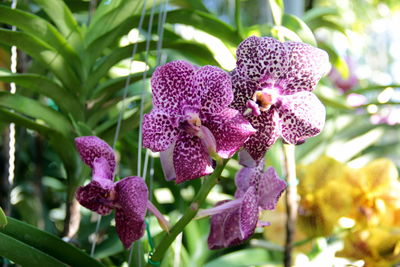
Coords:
pixel 261 101
pixel 192 123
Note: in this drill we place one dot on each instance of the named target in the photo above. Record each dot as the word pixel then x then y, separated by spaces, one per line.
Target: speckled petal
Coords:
pixel 243 90
pixel 261 59
pixel 302 116
pixel 249 213
pixel 307 64
pixel 268 131
pixel 270 189
pixel 172 87
pixel 159 130
pixel 247 177
pixel 246 160
pixel 230 130
pixel 216 235
pixel 191 159
pixel 232 233
pixel 215 88
pixel 101 170
pixel 131 205
pixel 167 162
pixel 94 196
pixel 92 147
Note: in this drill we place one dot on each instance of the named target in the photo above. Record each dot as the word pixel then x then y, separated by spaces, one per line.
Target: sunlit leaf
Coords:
pixel 3 218
pixel 277 9
pixel 300 28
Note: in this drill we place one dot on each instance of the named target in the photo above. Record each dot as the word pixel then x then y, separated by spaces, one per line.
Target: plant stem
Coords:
pixel 191 211
pixel 291 201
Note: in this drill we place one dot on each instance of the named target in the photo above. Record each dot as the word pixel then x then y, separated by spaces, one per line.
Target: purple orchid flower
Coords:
pixel 234 221
pixel 272 85
pixel 190 121
pixel 129 196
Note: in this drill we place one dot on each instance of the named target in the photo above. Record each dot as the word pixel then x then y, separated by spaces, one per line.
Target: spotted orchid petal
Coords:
pixel 167 163
pixel 306 66
pixel 268 131
pixel 246 160
pixel 190 158
pixel 243 90
pixel 131 205
pixel 215 88
pixel 173 88
pixel 261 59
pixel 246 177
pixel 302 116
pixel 95 196
pixel 270 189
pixel 159 130
pixel 235 225
pixel 230 130
pixel 91 148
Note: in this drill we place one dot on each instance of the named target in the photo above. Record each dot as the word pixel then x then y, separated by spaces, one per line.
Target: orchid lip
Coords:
pixel 219 209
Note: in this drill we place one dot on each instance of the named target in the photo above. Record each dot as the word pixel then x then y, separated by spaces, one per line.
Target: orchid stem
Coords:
pixel 190 213
pixel 291 202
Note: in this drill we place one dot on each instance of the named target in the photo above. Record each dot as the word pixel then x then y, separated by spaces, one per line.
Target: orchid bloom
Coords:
pixel 129 196
pixel 234 221
pixel 190 121
pixel 272 86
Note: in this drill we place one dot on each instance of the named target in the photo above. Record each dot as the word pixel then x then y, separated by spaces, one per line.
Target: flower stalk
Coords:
pixel 291 202
pixel 190 213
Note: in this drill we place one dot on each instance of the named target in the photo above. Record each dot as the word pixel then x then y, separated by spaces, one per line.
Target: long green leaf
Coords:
pixel 187 48
pixel 42 30
pixel 46 87
pixel 277 10
pixel 3 218
pixel 109 15
pixel 319 12
pixel 47 243
pixel 242 258
pixel 32 108
pixel 24 254
pixel 300 28
pixel 60 14
pixel 43 53
pixel 9 117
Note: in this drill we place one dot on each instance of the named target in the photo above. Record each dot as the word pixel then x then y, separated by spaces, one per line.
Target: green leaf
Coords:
pixel 3 218
pixel 372 88
pixel 326 23
pixel 60 14
pixel 242 258
pixel 32 108
pixel 319 12
pixel 337 62
pixel 46 87
pixel 277 10
pixel 187 48
pixel 300 28
pixel 109 15
pixel 41 29
pixel 24 254
pixel 44 54
pixel 34 239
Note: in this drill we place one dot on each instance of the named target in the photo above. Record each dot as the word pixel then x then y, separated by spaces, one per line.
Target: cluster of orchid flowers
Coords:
pixel 202 115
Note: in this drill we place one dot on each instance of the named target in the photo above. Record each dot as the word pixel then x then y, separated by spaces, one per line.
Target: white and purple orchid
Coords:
pixel 234 221
pixel 190 122
pixel 272 86
pixel 129 196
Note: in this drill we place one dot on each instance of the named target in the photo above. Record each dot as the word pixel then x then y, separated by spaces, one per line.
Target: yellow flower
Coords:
pixel 324 195
pixel 377 247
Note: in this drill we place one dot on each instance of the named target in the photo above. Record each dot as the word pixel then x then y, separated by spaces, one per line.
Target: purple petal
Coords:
pixel 230 130
pixel 216 236
pixel 131 202
pixel 215 88
pixel 101 170
pixel 172 87
pixel 249 213
pixel 246 160
pixel 307 64
pixel 268 131
pixel 247 177
pixel 191 159
pixel 91 148
pixel 96 196
pixel 302 116
pixel 167 162
pixel 159 130
pixel 261 59
pixel 270 189
pixel 232 234
pixel 243 90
